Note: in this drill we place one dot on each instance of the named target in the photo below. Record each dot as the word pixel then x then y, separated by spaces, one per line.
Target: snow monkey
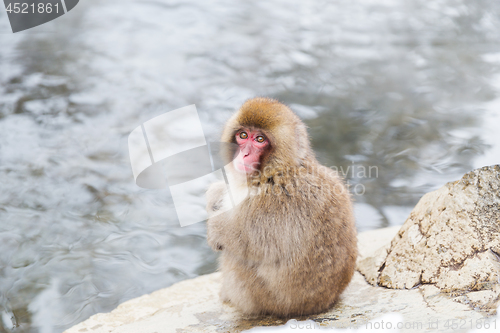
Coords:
pixel 289 247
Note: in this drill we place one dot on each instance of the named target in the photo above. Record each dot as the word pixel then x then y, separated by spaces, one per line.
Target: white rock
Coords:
pixel 450 240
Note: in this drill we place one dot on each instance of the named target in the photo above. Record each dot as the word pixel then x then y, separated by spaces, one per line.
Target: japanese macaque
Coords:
pixel 289 247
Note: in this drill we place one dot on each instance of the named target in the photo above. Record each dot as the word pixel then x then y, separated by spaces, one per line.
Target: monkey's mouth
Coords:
pixel 246 168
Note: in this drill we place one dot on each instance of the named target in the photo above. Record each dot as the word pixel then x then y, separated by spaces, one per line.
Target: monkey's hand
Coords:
pixel 218 247
pixel 213 236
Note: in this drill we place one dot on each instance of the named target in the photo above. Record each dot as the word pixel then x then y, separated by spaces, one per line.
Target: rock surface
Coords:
pixel 194 306
pixel 450 241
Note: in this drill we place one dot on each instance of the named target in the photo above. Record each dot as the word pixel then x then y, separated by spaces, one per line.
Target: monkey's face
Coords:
pixel 252 144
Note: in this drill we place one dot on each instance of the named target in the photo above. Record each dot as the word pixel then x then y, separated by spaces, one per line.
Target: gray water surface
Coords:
pixel 407 90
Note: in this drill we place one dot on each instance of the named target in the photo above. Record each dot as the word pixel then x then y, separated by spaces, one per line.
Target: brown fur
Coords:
pixel 290 247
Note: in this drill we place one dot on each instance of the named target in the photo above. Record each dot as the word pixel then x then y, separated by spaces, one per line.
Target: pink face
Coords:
pixel 252 145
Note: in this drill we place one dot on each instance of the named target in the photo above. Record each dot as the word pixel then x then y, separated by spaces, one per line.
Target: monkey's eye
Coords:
pixel 243 135
pixel 260 139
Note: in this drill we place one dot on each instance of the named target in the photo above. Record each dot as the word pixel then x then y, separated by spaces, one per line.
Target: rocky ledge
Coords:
pixel 439 272
pixel 450 241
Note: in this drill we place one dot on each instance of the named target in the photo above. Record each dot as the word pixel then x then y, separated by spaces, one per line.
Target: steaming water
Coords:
pixel 406 90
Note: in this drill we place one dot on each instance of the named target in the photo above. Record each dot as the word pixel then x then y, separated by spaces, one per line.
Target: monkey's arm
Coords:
pixel 215 196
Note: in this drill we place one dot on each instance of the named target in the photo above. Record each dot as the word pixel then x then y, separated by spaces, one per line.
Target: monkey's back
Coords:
pixel 296 250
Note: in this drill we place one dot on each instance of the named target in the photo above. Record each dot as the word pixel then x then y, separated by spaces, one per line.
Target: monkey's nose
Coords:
pixel 245 151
